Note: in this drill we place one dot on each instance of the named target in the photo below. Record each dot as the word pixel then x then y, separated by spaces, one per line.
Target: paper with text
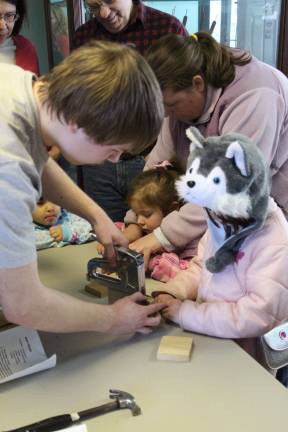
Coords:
pixel 22 353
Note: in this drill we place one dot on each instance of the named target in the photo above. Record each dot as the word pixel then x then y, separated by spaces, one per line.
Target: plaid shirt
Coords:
pixel 147 27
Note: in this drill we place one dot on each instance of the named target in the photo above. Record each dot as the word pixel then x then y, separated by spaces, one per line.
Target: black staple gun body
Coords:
pixel 130 271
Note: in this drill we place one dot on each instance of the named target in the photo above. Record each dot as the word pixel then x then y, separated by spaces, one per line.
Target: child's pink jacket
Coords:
pixel 249 297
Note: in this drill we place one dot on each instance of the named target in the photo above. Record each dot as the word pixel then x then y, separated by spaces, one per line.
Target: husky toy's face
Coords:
pixel 219 175
pixel 210 190
pixel 201 189
pixel 228 175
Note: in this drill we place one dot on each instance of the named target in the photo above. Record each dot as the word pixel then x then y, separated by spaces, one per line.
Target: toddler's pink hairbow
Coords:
pixel 163 164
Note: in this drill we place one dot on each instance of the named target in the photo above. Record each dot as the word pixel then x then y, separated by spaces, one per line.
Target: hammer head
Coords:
pixel 125 400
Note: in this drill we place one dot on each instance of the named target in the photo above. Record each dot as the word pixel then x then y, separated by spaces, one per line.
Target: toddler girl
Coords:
pixel 152 196
pixel 236 286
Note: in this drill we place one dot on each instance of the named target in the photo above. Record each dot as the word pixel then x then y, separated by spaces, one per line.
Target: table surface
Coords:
pixel 220 389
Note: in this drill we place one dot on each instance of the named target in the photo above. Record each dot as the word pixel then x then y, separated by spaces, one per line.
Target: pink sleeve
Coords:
pixel 248 114
pixel 263 305
pixel 185 226
pixel 248 111
pixel 188 224
pixel 164 147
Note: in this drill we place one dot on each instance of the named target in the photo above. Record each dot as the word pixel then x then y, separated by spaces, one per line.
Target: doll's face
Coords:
pixel 147 218
pixel 46 213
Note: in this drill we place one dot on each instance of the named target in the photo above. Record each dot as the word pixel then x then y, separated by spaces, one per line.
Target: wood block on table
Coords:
pixel 102 291
pixel 175 348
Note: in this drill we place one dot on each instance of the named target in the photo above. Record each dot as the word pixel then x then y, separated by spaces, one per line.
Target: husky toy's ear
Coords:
pixel 195 137
pixel 236 152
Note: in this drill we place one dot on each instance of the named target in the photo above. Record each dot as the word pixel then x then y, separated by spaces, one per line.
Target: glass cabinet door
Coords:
pixel 249 24
pixel 57 30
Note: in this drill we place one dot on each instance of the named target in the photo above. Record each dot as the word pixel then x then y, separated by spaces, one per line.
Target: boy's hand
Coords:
pixel 131 316
pixel 100 249
pixel 56 232
pixel 132 232
pixel 109 235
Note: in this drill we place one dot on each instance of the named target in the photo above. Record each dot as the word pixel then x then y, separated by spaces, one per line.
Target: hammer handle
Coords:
pixel 48 425
pixel 99 410
pixel 65 420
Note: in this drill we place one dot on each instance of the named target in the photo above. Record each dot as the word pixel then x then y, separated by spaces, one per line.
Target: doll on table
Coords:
pixel 56 227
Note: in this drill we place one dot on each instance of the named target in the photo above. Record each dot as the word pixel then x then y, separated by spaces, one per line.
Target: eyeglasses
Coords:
pixel 94 9
pixel 10 17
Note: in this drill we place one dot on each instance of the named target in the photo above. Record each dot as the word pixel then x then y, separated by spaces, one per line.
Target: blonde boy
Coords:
pixel 102 100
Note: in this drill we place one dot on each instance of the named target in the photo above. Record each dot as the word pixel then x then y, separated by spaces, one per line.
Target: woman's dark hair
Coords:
pixel 21 10
pixel 175 60
pixel 155 188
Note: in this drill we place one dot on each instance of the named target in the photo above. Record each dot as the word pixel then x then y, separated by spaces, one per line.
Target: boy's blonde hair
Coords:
pixel 110 91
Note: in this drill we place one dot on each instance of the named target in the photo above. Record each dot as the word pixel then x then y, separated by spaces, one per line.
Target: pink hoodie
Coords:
pixel 245 300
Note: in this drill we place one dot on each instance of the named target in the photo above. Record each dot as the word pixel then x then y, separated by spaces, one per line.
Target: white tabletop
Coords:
pixel 220 389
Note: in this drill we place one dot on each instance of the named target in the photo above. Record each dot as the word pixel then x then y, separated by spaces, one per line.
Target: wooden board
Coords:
pixel 96 288
pixel 175 348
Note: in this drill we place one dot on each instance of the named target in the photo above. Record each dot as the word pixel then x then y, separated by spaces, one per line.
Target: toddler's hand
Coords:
pixel 56 233
pixel 146 245
pixel 172 306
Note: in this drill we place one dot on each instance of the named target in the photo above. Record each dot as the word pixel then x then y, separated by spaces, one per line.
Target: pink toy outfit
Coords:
pixel 164 266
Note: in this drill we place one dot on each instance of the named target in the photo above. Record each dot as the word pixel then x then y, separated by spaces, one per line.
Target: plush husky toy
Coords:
pixel 227 176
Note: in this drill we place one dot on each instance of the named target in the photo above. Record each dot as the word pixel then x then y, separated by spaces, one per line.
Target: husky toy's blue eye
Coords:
pixel 190 170
pixel 216 180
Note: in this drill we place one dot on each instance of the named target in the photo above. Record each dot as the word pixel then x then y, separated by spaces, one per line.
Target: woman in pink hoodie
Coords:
pixel 218 90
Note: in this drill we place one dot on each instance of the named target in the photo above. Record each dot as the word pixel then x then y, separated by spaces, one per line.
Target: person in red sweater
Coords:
pixel 15 48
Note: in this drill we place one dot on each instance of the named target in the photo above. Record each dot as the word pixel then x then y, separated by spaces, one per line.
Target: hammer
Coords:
pixel 122 400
